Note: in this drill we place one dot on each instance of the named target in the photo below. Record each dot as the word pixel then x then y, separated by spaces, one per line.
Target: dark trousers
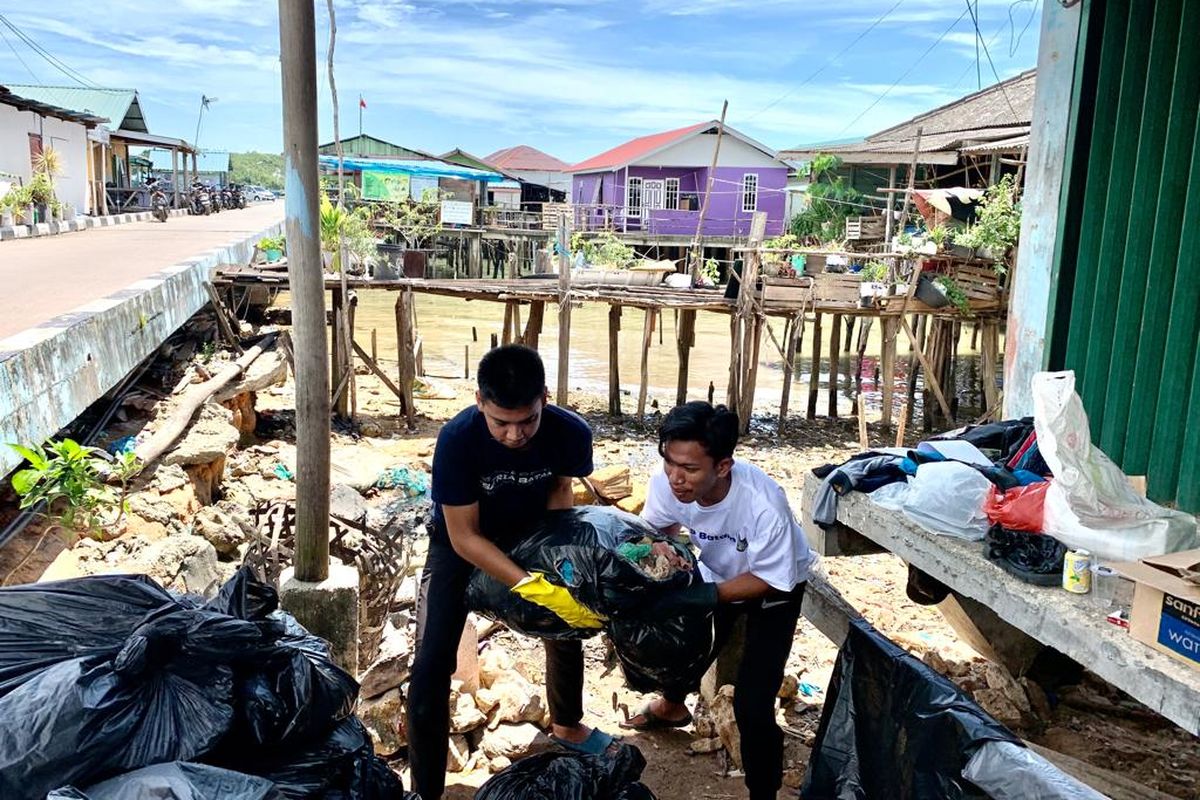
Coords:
pixel 441 614
pixel 770 629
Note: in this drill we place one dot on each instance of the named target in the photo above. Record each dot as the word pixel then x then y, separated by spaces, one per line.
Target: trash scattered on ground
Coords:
pixel 414 483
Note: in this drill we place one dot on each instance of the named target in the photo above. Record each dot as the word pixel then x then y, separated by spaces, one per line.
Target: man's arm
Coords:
pixel 462 524
pixel 747 586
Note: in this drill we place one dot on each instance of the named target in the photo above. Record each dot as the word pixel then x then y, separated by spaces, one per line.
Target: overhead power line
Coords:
pixel 907 72
pixel 50 58
pixel 829 61
pixel 18 55
pixel 995 74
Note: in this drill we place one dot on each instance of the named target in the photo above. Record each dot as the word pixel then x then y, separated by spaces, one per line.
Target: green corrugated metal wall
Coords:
pixel 1126 315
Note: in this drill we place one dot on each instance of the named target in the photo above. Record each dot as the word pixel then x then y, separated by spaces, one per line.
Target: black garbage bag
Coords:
pixel 178 780
pixel 578 549
pixel 341 765
pixel 564 775
pixel 893 729
pixel 164 695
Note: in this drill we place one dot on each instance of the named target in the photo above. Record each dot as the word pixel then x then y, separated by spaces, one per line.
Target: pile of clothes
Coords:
pixel 1031 487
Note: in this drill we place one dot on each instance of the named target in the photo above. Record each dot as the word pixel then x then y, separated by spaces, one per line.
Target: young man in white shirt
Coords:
pixel 754 561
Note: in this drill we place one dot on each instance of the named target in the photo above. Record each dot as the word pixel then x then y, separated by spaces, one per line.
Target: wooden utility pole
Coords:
pixel 298 56
pixel 564 310
pixel 912 180
pixel 698 241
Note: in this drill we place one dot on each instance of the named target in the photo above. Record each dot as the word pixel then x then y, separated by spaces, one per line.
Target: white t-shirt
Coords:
pixel 751 530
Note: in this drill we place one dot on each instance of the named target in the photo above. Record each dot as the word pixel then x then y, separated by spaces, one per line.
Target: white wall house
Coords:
pixel 26 127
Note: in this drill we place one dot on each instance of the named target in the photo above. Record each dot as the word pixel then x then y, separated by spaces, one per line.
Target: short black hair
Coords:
pixel 716 429
pixel 511 376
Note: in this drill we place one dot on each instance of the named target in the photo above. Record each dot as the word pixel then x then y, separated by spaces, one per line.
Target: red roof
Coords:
pixel 524 157
pixel 636 149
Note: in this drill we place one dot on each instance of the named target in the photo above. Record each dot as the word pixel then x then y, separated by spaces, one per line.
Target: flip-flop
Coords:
pixel 653 722
pixel 596 743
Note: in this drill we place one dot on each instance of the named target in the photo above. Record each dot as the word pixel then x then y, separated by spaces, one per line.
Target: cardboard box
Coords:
pixel 1166 603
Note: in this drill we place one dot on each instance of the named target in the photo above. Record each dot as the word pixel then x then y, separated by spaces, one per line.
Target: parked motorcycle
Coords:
pixel 159 204
pixel 237 195
pixel 215 193
pixel 201 199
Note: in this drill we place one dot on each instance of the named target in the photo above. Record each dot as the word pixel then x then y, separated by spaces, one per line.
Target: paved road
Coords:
pixel 42 278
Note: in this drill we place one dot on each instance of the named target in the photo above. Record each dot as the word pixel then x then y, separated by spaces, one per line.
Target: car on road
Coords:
pixel 259 193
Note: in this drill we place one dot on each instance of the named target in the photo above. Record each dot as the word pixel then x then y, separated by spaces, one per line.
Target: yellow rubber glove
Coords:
pixel 536 589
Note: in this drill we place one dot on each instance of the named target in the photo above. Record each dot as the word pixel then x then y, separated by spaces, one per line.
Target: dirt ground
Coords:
pixel 1092 722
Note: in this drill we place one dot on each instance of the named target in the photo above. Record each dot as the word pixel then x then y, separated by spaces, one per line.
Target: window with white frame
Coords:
pixel 749 192
pixel 672 194
pixel 633 194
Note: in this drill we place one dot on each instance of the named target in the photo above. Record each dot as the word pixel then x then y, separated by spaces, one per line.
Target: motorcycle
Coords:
pixel 215 193
pixel 159 205
pixel 201 199
pixel 237 195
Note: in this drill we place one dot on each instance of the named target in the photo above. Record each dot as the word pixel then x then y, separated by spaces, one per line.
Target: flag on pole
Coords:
pixel 205 100
pixel 361 103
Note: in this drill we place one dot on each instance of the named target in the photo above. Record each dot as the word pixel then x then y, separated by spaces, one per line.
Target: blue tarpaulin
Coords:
pixel 431 169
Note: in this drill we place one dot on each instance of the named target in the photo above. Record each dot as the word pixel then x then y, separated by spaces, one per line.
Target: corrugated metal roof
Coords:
pixel 460 156
pixel 429 168
pixel 1000 145
pixel 635 149
pixel 524 157
pixel 119 106
pixel 9 98
pixel 372 146
pixel 1000 112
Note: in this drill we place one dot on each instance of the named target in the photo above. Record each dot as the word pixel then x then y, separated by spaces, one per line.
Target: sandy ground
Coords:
pixel 1093 723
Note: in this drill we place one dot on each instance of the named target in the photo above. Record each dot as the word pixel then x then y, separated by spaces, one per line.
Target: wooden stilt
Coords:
pixel 989 359
pixel 863 441
pixel 835 357
pixel 685 340
pixel 644 381
pixel 614 362
pixel 887 369
pixel 374 345
pixel 750 382
pixel 735 362
pixel 404 352
pixel 975 335
pixel 466 361
pixel 850 334
pixel 749 321
pixel 814 378
pixel 533 325
pixel 507 328
pixel 339 373
pixel 910 392
pixel 930 375
pixel 495 341
pixel 516 324
pixel 659 323
pixel 351 308
pixel 864 330
pixel 902 424
pixel 792 333
pixel 564 315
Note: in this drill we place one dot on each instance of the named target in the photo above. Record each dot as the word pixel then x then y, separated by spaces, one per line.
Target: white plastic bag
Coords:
pixel 947 497
pixel 1009 772
pixel 1090 504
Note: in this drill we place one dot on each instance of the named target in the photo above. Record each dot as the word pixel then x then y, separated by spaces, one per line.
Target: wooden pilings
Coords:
pixel 644 381
pixel 835 358
pixel 814 376
pixel 404 350
pixel 685 340
pixel 792 333
pixel 887 367
pixel 614 362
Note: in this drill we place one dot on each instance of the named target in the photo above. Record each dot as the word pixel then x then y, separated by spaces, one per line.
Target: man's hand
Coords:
pixel 536 589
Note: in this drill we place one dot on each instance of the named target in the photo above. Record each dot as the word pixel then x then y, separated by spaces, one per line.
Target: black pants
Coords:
pixel 770 629
pixel 441 614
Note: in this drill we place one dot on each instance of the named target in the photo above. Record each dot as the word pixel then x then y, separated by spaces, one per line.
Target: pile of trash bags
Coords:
pixel 563 774
pixel 111 686
pixel 591 551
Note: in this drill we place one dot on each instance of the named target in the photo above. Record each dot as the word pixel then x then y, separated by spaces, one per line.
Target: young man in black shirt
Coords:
pixel 498 467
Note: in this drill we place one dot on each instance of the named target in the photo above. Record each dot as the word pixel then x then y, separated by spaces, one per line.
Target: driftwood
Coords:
pixel 192 399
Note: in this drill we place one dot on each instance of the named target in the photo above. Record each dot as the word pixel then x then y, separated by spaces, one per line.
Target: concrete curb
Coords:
pixel 13 232
pixel 51 373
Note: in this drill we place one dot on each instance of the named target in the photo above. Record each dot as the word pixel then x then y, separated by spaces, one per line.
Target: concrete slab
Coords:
pixel 328 609
pixel 1066 622
pixel 80 312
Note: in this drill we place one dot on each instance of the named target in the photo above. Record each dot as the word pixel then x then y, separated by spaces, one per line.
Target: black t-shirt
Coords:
pixel 512 487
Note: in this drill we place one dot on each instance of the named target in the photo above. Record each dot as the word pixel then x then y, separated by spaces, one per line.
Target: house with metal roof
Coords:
pixel 654 186
pixel 504 194
pixel 369 146
pixel 28 126
pixel 543 177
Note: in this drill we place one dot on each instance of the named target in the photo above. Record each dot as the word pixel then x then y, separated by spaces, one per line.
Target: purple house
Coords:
pixel 654 185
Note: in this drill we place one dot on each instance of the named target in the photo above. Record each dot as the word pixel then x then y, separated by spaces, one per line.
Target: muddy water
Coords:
pixel 456 331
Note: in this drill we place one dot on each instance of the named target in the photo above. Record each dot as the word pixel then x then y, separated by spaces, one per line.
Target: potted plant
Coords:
pixel 69 212
pixel 271 247
pixel 8 208
pixel 954 294
pixel 939 235
pixel 874 283
pixel 41 192
pixel 997 224
pixel 56 209
pixel 931 292
pixel 416 223
pixel 342 226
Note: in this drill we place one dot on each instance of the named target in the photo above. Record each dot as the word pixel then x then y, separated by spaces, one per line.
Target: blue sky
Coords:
pixel 570 77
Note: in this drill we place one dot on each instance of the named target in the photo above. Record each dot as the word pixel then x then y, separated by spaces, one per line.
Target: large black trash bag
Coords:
pixel 178 780
pixel 164 694
pixel 894 729
pixel 340 765
pixel 577 548
pixel 563 775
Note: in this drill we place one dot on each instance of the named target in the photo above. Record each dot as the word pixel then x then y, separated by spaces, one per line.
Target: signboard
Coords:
pixel 384 186
pixel 456 212
pixel 421 185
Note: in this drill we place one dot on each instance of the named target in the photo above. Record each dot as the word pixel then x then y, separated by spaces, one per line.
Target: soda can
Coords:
pixel 1077 571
